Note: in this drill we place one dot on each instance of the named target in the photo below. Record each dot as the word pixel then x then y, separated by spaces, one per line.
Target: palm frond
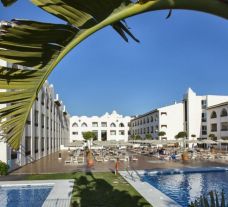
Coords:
pixel 8 2
pixel 85 14
pixel 34 45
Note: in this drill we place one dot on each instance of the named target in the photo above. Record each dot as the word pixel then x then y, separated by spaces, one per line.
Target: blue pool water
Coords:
pixel 21 196
pixel 186 187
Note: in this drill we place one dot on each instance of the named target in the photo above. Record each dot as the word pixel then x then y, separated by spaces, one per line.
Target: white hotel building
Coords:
pixel 107 127
pixel 218 120
pixel 190 115
pixel 47 128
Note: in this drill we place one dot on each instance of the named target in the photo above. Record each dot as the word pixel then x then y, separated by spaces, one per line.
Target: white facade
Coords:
pixel 190 115
pixel 195 112
pixel 168 119
pixel 107 127
pixel 47 128
pixel 218 120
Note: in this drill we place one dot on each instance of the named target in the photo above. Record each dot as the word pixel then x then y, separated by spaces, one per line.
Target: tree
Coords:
pixel 41 46
pixel 149 136
pixel 161 134
pixel 88 136
pixel 212 137
pixel 138 137
pixel 183 135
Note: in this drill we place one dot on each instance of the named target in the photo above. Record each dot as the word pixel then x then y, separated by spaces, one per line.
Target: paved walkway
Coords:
pixel 51 164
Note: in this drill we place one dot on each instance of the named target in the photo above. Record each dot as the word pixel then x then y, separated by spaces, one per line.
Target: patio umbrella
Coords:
pixel 208 141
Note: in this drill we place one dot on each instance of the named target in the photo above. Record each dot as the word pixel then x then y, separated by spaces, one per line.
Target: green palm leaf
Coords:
pixel 41 46
pixel 31 44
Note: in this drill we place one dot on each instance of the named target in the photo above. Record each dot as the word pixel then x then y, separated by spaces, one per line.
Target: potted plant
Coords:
pixel 88 136
pixel 161 134
pixel 212 137
pixel 3 168
pixel 183 135
pixel 149 136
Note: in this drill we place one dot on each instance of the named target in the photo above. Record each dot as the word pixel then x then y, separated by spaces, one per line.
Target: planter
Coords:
pixel 185 156
pixel 90 162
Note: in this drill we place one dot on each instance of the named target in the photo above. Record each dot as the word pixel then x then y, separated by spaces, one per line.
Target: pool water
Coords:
pixel 26 195
pixel 186 187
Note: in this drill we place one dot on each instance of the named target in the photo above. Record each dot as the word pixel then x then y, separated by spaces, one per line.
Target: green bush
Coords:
pixel 3 168
pixel 213 201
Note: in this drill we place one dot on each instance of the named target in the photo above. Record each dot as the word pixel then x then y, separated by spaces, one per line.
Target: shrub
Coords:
pixel 213 201
pixel 3 168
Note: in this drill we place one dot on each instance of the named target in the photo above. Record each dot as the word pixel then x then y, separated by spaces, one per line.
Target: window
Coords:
pixel 42 144
pixel 94 124
pixel 42 121
pixel 223 113
pixel 84 124
pixel 152 129
pixel 224 126
pixel 163 113
pixel 36 118
pixel 28 121
pixel 27 146
pixel 74 124
pixel 148 120
pixel 151 119
pixel 213 115
pixel 204 104
pixel 103 124
pixel 42 98
pixel 75 133
pixel 121 132
pixel 47 122
pixel 204 130
pixel 112 125
pixel 148 129
pixel 36 144
pixel 112 132
pixel 121 125
pixel 214 127
pixel 204 117
pixel 164 126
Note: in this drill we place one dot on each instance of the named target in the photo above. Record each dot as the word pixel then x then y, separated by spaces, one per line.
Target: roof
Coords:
pixel 218 105
pixel 146 114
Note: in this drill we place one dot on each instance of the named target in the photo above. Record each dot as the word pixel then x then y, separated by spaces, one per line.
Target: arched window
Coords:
pixel 121 125
pixel 84 124
pixel 74 124
pixel 112 125
pixel 223 113
pixel 213 115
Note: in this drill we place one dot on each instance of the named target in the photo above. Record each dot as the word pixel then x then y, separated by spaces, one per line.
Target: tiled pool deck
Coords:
pixel 51 164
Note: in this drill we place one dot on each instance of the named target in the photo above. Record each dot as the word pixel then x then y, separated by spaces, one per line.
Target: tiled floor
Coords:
pixel 51 164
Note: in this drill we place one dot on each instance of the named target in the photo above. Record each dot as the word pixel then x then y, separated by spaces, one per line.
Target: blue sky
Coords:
pixel 104 73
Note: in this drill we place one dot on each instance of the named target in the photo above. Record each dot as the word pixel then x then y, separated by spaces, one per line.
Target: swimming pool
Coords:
pixel 24 195
pixel 185 186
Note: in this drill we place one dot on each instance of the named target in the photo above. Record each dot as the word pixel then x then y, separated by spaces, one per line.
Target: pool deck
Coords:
pixel 56 198
pixel 51 164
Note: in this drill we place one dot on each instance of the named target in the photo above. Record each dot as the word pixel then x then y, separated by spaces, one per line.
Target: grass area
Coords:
pixel 99 190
